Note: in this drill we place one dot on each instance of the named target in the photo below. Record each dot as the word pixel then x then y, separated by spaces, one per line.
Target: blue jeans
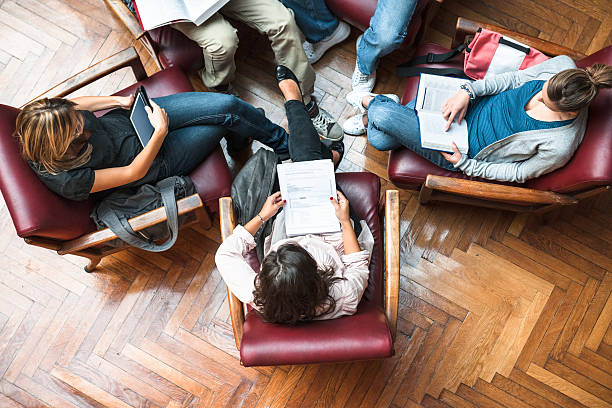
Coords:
pixel 198 121
pixel 386 32
pixel 313 17
pixel 391 125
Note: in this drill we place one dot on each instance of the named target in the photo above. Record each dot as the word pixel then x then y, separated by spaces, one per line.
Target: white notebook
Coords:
pixel 307 187
pixel 433 91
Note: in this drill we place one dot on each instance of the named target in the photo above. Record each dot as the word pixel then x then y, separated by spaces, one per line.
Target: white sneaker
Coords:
pixel 314 51
pixel 360 81
pixel 356 97
pixel 354 125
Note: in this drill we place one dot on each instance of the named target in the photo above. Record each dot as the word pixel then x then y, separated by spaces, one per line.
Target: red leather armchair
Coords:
pixel 45 219
pixel 588 172
pixel 369 333
pixel 173 49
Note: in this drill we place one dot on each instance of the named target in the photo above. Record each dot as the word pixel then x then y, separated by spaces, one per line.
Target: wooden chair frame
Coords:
pixel 92 245
pixel 484 194
pixel 392 262
pixel 133 26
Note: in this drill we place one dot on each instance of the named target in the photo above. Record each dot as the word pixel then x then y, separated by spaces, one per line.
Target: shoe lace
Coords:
pixel 308 49
pixel 322 120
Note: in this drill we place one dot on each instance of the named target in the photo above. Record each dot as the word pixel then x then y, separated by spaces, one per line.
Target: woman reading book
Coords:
pixel 520 124
pixel 315 276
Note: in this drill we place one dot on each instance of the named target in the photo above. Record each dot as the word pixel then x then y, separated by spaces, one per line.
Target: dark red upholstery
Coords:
pixel 364 335
pixel 591 165
pixel 359 12
pixel 36 211
pixel 174 49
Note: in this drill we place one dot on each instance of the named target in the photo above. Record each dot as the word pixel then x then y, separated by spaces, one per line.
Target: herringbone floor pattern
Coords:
pixel 496 309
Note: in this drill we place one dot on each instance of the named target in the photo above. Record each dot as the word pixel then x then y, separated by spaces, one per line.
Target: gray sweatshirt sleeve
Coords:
pixel 510 80
pixel 547 159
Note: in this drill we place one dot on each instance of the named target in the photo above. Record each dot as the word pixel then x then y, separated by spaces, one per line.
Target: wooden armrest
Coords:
pixel 495 192
pixel 125 15
pixel 392 258
pixel 138 223
pixel 226 215
pixel 467 27
pixel 123 59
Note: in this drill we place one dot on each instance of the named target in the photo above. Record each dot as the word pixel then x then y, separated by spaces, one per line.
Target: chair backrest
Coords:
pixel 364 335
pixel 591 165
pixel 34 209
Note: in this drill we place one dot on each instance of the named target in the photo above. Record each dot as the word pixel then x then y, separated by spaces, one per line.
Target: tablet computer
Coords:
pixel 140 118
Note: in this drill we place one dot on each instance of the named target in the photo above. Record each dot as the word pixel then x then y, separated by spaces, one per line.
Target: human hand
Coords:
pixel 455 106
pixel 125 102
pixel 158 117
pixel 455 157
pixel 271 206
pixel 341 206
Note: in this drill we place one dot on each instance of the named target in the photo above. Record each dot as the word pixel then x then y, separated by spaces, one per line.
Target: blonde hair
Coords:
pixel 574 89
pixel 46 128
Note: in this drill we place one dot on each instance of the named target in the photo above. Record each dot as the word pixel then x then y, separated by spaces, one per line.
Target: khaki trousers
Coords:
pixel 219 41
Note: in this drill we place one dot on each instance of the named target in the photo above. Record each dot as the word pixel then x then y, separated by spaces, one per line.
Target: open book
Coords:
pixel 156 13
pixel 433 91
pixel 307 187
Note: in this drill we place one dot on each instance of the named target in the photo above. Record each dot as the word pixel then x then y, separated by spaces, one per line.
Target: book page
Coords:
pixel 155 13
pixel 434 137
pixel 201 10
pixel 307 187
pixel 434 90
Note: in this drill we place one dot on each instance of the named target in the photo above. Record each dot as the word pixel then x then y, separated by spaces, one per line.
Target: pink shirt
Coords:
pixel 326 249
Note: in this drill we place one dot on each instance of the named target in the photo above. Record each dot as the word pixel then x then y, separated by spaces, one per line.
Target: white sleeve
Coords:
pixel 349 291
pixel 235 271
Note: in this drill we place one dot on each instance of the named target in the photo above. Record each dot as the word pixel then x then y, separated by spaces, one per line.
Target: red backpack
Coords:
pixel 489 53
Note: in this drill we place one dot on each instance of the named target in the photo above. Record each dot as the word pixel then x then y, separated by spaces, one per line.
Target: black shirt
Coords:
pixel 114 144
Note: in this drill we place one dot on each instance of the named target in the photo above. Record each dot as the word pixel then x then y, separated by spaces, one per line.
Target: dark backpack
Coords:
pixel 117 208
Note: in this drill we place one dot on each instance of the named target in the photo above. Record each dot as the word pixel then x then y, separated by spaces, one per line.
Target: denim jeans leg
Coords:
pixel 313 18
pixel 387 31
pixel 391 125
pixel 185 148
pixel 239 119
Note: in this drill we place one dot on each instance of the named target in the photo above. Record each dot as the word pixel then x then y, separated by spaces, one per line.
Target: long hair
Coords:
pixel 46 129
pixel 574 89
pixel 290 287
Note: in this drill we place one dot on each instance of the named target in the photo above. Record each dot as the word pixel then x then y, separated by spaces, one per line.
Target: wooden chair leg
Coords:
pixel 93 263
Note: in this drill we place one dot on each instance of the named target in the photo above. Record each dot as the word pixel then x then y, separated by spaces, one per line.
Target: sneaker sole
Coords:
pixel 338 37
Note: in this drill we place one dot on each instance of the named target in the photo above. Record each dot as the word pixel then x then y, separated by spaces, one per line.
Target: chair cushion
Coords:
pixel 359 12
pixel 591 165
pixel 174 49
pixel 364 335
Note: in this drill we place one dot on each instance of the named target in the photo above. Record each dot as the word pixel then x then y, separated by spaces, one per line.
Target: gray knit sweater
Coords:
pixel 529 154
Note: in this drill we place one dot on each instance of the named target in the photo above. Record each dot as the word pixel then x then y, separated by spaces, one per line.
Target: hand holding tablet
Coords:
pixel 140 118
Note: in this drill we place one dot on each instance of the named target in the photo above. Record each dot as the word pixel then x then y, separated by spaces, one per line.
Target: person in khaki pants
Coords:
pixel 219 41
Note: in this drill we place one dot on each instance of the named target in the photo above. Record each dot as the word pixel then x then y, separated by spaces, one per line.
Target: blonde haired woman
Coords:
pixel 76 154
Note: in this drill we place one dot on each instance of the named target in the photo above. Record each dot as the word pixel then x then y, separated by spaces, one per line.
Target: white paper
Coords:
pixel 433 92
pixel 307 187
pixel 155 13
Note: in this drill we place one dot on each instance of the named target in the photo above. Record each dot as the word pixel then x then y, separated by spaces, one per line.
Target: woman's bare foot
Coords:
pixel 290 90
pixel 365 102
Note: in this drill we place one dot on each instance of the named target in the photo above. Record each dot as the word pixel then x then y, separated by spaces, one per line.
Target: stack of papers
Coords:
pixel 307 187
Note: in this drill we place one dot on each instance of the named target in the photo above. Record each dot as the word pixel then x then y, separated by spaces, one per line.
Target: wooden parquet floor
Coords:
pixel 496 309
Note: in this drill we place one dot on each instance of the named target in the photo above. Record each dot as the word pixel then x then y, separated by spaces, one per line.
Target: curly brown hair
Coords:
pixel 290 287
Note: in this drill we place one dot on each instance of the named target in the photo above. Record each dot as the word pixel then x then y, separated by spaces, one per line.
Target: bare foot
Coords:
pixel 366 101
pixel 335 157
pixel 290 90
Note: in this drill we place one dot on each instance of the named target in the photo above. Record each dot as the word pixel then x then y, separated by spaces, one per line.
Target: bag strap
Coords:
pixel 416 71
pixel 121 227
